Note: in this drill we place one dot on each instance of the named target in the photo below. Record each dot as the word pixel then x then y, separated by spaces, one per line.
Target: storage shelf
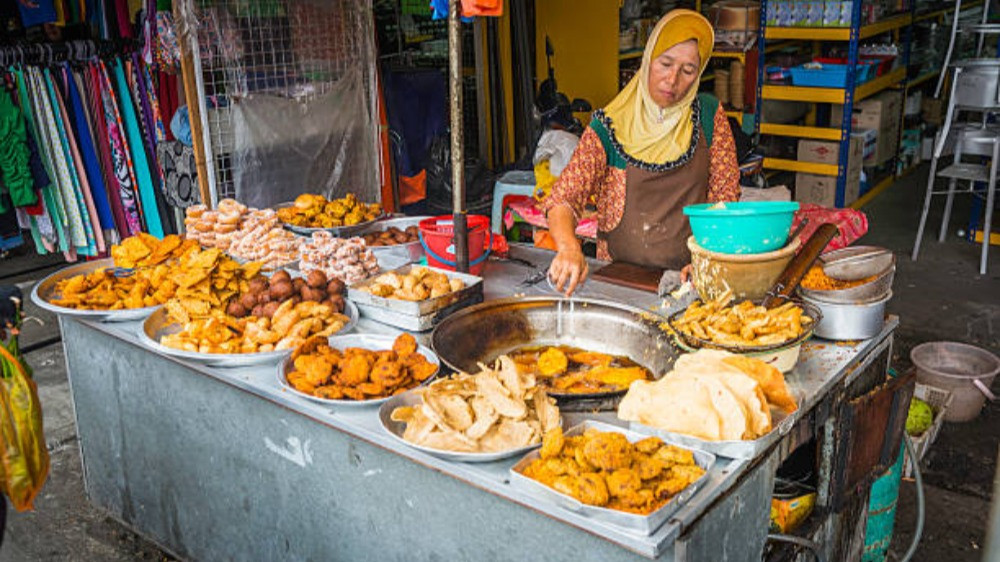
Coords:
pixel 938 13
pixel 738 115
pixel 800 131
pixel 832 95
pixel 707 78
pixel 837 33
pixel 630 54
pixel 740 55
pixel 796 166
pixel 922 78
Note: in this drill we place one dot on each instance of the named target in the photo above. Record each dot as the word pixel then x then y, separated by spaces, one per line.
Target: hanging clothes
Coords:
pixel 85 140
pixel 119 152
pixel 141 166
pixel 14 156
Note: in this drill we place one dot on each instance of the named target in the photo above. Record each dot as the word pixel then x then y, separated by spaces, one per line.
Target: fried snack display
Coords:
pixel 315 211
pixel 711 395
pixel 570 370
pixel 261 238
pixel 419 284
pixel 214 229
pixel 348 260
pixel 291 325
pixel 206 280
pixel 392 236
pixel 602 468
pixel 817 280
pixel 496 410
pixel 358 374
pixel 263 296
pixel 148 285
pixel 744 325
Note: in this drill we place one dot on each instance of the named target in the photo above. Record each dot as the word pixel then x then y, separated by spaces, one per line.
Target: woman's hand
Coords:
pixel 686 273
pixel 568 270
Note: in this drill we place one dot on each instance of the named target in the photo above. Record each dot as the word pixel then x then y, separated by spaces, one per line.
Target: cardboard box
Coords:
pixel 932 111
pixel 883 113
pixel 822 190
pixel 869 143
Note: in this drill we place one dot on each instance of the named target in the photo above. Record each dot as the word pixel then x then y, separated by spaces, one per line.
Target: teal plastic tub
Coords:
pixel 751 227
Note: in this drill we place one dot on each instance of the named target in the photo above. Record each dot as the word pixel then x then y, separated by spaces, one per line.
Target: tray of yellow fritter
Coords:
pixel 613 475
pixel 128 286
pixel 342 217
pixel 357 369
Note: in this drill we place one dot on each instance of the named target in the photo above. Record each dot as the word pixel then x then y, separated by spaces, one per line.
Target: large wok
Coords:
pixel 483 332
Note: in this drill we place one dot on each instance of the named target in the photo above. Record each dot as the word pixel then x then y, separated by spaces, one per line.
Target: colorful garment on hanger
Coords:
pixel 119 151
pixel 147 192
pixel 14 155
pixel 86 145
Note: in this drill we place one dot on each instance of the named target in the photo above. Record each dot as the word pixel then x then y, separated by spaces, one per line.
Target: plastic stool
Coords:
pixel 518 182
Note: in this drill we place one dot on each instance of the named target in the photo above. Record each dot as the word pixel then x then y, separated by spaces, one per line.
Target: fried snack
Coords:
pixel 148 285
pixel 264 295
pixel 817 280
pixel 496 410
pixel 261 238
pixel 215 228
pixel 357 374
pixel 602 468
pixel 392 236
pixel 290 327
pixel 419 284
pixel 568 370
pixel 315 211
pixel 712 395
pixel 206 280
pixel 744 325
pixel 348 260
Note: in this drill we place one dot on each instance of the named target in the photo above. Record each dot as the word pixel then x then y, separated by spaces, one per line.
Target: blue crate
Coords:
pixel 831 75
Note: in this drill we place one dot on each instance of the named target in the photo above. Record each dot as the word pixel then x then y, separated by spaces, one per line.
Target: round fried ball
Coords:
pixel 281 291
pixel 338 302
pixel 269 308
pixel 248 301
pixel 236 310
pixel 257 311
pixel 280 276
pixel 258 284
pixel 311 294
pixel 335 287
pixel 316 279
pixel 297 284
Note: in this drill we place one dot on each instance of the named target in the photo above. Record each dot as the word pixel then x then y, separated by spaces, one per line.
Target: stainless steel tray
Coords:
pixel 415 323
pixel 338 231
pixel 45 290
pixel 395 429
pixel 412 252
pixel 643 524
pixel 158 325
pixel 781 425
pixel 473 285
pixel 364 341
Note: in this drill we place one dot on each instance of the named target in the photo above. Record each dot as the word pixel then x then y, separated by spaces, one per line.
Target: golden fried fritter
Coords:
pixel 552 444
pixel 623 482
pixel 608 451
pixel 354 370
pixel 404 346
pixel 592 489
pixel 552 362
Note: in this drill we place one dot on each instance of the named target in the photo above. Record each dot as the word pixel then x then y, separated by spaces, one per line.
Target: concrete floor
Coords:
pixel 940 297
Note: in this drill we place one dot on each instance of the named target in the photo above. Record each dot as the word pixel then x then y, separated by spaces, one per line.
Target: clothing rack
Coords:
pixel 50 53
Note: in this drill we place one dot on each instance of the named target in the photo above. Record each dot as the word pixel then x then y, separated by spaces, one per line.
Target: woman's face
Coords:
pixel 673 73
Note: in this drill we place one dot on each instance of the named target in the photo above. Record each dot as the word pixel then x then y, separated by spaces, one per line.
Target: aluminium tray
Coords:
pixel 158 325
pixel 640 524
pixel 395 429
pixel 412 252
pixel 473 286
pixel 781 424
pixel 363 341
pixel 45 290
pixel 416 323
pixel 338 231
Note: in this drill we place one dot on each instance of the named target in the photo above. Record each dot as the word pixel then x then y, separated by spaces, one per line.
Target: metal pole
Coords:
pixel 461 229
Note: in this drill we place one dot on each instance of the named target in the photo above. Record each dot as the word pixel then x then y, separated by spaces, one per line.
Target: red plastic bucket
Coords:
pixel 437 238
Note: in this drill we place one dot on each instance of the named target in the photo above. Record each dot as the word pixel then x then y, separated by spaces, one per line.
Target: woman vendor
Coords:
pixel 656 148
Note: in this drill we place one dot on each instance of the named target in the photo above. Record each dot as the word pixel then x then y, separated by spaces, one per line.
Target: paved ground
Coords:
pixel 940 297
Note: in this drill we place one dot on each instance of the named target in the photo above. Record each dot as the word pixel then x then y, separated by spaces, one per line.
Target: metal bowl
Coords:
pixel 396 429
pixel 412 252
pixel 338 231
pixel 158 325
pixel 483 332
pixel 875 289
pixel 45 290
pixel 364 341
pixel 850 321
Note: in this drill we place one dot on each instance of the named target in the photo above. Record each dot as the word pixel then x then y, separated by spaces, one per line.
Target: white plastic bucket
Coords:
pixel 966 370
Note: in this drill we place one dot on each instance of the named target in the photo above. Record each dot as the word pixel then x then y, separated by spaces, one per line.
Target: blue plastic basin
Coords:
pixel 751 227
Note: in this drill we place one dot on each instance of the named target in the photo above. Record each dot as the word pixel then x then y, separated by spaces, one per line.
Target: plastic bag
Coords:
pixel 24 458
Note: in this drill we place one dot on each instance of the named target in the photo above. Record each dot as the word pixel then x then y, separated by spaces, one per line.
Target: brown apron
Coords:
pixel 653 231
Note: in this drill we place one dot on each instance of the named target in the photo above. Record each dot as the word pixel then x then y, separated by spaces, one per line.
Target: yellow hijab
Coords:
pixel 646 131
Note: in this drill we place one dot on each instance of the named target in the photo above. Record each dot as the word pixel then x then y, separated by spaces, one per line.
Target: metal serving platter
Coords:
pixel 481 333
pixel 643 524
pixel 396 429
pixel 693 342
pixel 416 323
pixel 412 252
pixel 45 290
pixel 338 231
pixel 364 341
pixel 473 286
pixel 781 424
pixel 159 325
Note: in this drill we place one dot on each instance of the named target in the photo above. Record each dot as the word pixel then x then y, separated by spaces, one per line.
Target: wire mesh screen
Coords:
pixel 289 88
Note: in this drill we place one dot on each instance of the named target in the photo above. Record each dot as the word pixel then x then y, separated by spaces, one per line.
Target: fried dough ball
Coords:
pixel 552 362
pixel 623 482
pixel 552 443
pixel 404 346
pixel 592 489
pixel 608 451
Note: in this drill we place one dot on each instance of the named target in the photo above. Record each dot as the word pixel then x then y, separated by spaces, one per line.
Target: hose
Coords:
pixel 919 531
pixel 812 546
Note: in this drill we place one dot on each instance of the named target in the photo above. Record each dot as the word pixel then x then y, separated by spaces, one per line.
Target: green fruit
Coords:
pixel 919 418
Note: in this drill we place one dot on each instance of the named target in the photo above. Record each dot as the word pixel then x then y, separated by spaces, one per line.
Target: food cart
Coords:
pixel 227 464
